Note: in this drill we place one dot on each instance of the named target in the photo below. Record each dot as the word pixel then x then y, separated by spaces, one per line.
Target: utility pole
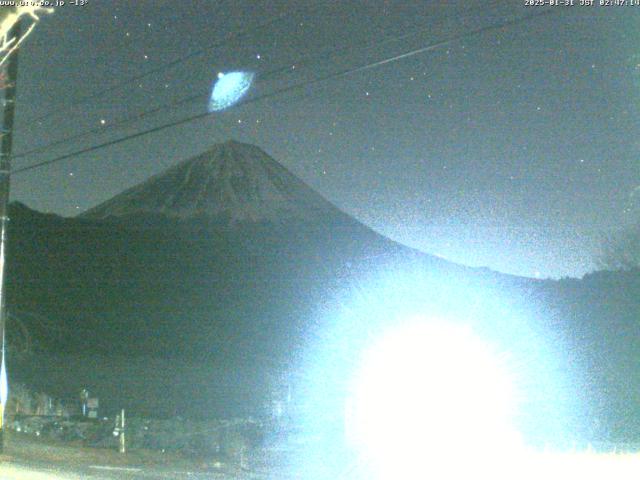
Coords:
pixel 9 106
pixel 119 430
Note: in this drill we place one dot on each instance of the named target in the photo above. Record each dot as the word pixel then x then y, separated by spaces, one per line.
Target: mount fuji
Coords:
pixel 182 293
pixel 232 181
pixel 224 259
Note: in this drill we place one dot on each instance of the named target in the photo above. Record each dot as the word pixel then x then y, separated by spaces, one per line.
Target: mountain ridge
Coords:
pixel 247 289
pixel 231 181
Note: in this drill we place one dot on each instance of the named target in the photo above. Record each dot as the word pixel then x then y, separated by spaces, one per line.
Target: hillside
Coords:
pixel 189 292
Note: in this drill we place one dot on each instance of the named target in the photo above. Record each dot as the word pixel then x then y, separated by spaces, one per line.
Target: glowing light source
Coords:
pixel 9 16
pixel 414 372
pixel 229 88
pixel 431 388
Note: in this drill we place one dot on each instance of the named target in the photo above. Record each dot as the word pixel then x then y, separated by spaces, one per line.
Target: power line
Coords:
pixel 289 88
pixel 263 76
pixel 135 78
pixel 120 123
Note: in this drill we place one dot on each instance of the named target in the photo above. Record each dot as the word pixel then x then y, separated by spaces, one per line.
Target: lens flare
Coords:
pixel 228 89
pixel 9 16
pixel 436 387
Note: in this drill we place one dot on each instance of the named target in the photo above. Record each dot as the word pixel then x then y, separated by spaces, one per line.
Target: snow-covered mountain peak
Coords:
pixel 234 181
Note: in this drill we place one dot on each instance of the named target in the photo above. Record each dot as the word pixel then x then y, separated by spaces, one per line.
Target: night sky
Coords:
pixel 515 148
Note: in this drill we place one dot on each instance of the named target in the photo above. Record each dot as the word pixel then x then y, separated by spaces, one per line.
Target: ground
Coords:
pixel 28 458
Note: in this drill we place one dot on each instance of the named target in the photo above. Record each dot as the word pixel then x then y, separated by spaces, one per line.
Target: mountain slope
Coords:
pixel 233 181
pixel 226 243
pixel 224 259
pixel 229 263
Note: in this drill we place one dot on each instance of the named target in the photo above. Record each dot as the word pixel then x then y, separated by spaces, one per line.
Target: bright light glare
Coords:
pixel 428 394
pixel 228 89
pixel 9 16
pixel 581 465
